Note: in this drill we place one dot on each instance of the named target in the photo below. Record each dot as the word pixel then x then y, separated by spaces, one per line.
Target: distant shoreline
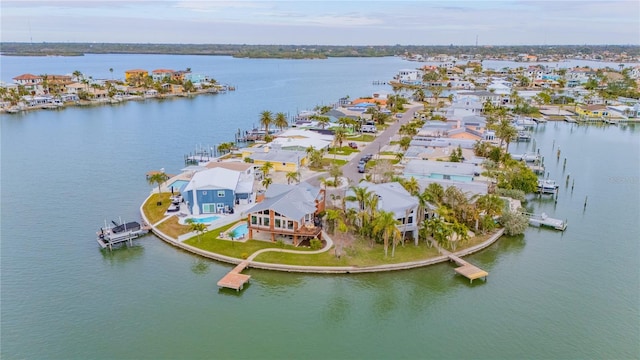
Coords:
pixel 613 53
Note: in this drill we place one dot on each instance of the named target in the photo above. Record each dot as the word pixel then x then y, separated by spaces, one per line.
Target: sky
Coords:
pixel 302 22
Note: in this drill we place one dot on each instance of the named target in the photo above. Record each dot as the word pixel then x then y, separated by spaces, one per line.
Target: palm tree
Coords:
pixel 323 121
pixel 333 215
pixel 266 182
pixel 385 225
pixel 293 176
pixel 434 193
pixel 506 132
pixel 339 136
pixel 266 119
pixel 405 142
pixel 157 178
pixel 335 171
pixel 77 75
pixel 266 168
pixel 281 121
pixel 199 228
pixel 411 186
pixel 490 204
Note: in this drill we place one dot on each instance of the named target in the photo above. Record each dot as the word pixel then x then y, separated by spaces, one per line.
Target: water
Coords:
pixel 206 220
pixel 241 230
pixel 178 185
pixel 549 294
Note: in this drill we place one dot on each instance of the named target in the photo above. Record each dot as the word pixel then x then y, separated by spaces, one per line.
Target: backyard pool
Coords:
pixel 205 220
pixel 178 185
pixel 241 230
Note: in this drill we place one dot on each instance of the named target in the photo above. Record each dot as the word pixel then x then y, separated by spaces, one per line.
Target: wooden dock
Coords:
pixel 468 270
pixel 543 219
pixel 234 279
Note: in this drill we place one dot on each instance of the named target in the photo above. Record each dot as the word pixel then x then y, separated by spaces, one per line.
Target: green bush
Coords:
pixel 315 244
pixel 511 193
pixel 244 255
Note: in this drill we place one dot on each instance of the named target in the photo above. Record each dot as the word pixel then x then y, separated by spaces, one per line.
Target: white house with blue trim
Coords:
pixel 218 190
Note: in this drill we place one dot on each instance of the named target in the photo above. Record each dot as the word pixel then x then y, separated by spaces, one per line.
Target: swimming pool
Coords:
pixel 205 220
pixel 178 185
pixel 241 230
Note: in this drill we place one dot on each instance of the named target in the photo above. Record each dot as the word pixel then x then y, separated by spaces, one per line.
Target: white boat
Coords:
pixel 119 233
pixel 547 186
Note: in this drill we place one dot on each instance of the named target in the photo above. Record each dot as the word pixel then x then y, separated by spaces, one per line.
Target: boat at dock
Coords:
pixel 543 219
pixel 528 157
pixel 547 186
pixel 120 233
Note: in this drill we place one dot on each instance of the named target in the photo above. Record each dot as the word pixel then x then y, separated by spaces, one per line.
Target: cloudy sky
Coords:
pixel 303 22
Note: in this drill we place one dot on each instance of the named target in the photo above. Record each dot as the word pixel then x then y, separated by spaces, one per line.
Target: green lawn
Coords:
pixel 360 254
pixel 327 161
pixel 345 150
pixel 363 137
pixel 152 210
pixel 210 241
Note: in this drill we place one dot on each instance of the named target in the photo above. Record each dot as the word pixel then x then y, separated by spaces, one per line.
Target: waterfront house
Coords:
pixel 135 77
pixel 196 79
pixel 299 139
pixel 30 82
pixel 174 89
pixel 592 111
pixel 288 212
pixel 460 175
pixel 483 96
pixel 217 190
pixel 408 76
pixel 179 76
pixel 393 197
pixel 282 160
pixel 458 171
pixel 160 75
pixel 75 88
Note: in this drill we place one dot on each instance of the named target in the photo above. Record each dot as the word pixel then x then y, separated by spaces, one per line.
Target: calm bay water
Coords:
pixel 549 294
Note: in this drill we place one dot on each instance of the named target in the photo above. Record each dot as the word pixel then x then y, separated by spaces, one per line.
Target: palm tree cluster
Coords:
pixel 266 173
pixel 315 157
pixel 456 213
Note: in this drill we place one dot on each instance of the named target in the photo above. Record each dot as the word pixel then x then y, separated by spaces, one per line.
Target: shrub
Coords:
pixel 315 244
pixel 244 255
pixel 512 193
pixel 514 223
pixel 280 243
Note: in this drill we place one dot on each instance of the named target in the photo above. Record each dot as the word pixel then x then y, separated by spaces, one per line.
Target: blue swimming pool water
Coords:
pixel 206 220
pixel 178 185
pixel 241 230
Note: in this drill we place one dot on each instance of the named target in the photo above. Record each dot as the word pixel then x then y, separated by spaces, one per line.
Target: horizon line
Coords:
pixel 245 44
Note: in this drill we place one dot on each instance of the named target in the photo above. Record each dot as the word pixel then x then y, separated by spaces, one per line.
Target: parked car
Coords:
pixel 361 167
pixel 368 128
pixel 353 145
pixel 367 157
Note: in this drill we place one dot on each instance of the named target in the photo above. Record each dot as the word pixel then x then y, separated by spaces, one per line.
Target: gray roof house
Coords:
pixel 288 211
pixel 460 175
pixel 393 197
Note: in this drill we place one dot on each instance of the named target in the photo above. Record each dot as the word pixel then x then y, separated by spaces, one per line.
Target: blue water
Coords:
pixel 179 185
pixel 550 294
pixel 206 220
pixel 241 230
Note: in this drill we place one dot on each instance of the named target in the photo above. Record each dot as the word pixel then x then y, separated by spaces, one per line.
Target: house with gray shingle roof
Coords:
pixel 394 198
pixel 288 212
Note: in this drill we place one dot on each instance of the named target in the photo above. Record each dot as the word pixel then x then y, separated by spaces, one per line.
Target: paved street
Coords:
pixel 350 169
